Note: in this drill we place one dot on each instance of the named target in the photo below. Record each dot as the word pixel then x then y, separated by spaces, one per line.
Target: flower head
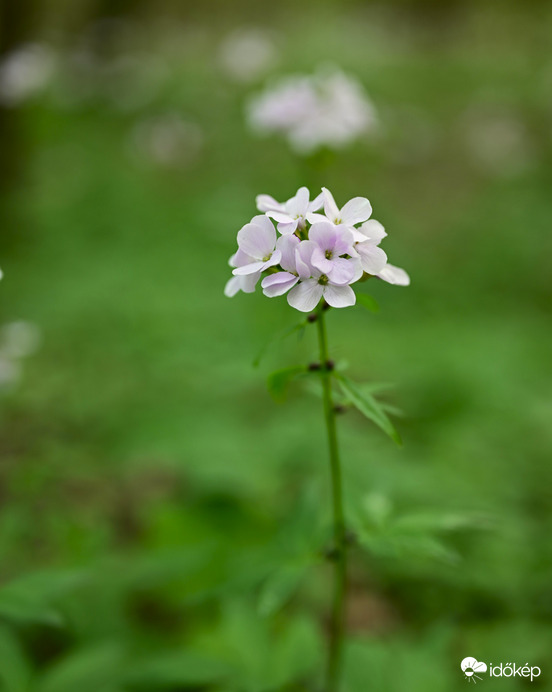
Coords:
pixel 327 109
pixel 318 256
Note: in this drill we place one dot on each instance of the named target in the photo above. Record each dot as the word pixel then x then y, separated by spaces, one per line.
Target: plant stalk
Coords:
pixel 339 553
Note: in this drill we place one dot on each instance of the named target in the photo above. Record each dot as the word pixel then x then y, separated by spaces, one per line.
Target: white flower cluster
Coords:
pixel 327 109
pixel 316 255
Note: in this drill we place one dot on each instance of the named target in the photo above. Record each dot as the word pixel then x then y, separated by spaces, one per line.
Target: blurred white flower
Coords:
pixel 247 54
pixel 328 109
pixel 25 72
pixel 167 141
pixel 17 340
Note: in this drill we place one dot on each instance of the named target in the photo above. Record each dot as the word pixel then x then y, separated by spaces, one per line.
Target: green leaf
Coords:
pixel 368 406
pixel 280 586
pixel 176 669
pixel 439 523
pixel 35 598
pixel 368 302
pixel 279 380
pixel 15 669
pixel 94 669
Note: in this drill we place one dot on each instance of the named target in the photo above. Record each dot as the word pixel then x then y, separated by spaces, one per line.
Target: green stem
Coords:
pixel 337 622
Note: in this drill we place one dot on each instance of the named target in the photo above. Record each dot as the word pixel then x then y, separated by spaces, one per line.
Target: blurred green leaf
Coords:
pixel 435 522
pixel 176 669
pixel 95 669
pixel 15 669
pixel 368 302
pixel 368 406
pixel 280 586
pixel 36 598
pixel 279 380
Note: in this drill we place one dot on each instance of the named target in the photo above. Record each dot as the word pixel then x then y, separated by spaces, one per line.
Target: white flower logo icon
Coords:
pixel 471 666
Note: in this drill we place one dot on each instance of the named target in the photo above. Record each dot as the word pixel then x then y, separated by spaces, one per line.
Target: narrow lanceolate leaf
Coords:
pixel 368 302
pixel 279 380
pixel 368 406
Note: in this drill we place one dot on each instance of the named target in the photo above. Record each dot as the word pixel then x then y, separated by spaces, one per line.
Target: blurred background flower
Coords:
pixel 328 109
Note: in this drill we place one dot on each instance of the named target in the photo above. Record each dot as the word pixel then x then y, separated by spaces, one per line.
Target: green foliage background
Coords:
pixel 163 520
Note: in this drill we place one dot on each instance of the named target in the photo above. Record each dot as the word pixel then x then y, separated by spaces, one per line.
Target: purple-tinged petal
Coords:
pixel 394 275
pixel 240 258
pixel 267 203
pixel 372 257
pixel 303 259
pixel 344 241
pixel 320 261
pixel 278 284
pixel 355 211
pixel 257 239
pixel 342 271
pixel 339 296
pixel 306 295
pixel 324 234
pixel 287 244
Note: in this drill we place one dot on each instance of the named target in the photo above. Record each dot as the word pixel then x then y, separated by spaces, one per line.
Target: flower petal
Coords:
pixel 372 257
pixel 280 216
pixel 274 259
pixel 356 210
pixel 277 284
pixel 339 296
pixel 330 207
pixel 316 203
pixel 287 244
pixel 233 285
pixel 342 271
pixel 320 261
pixel 344 241
pixel 315 218
pixel 249 282
pixel 288 228
pixel 373 230
pixel 257 238
pixel 268 203
pixel 303 259
pixel 298 205
pixel 240 258
pixel 306 296
pixel 250 268
pixel 394 275
pixel 324 234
